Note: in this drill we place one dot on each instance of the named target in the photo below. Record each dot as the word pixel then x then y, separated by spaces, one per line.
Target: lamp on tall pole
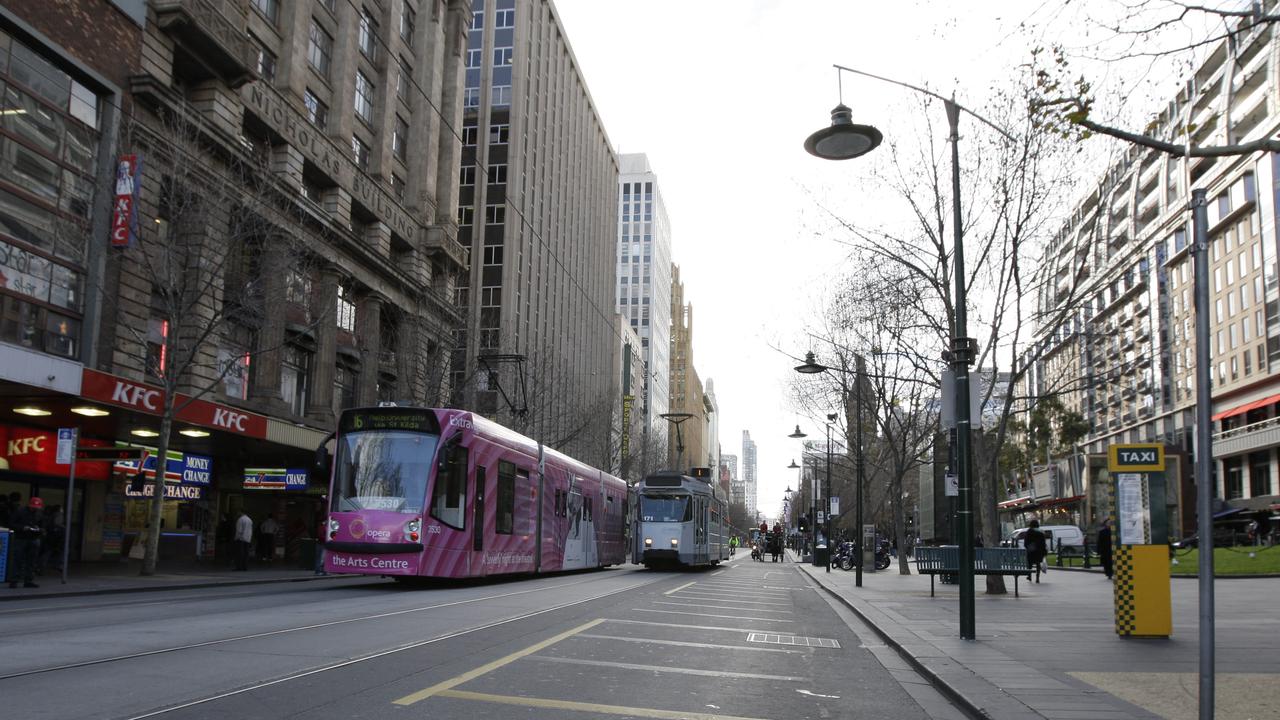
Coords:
pixel 812 367
pixel 813 494
pixel 831 417
pixel 844 140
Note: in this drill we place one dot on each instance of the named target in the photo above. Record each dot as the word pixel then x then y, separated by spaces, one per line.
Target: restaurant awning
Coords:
pixel 1241 409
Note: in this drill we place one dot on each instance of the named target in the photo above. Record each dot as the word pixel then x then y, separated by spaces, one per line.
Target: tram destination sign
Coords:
pixel 389 419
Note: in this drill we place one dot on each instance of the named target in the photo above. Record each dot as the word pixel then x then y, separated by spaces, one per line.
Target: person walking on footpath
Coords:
pixel 1104 546
pixel 322 532
pixel 267 538
pixel 243 537
pixel 1037 548
pixel 27 524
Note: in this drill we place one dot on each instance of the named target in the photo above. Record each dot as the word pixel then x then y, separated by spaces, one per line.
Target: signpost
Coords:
pixel 68 438
pixel 1142 596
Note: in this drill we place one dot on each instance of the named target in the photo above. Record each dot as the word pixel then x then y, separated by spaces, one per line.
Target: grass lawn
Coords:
pixel 1226 561
pixel 1230 561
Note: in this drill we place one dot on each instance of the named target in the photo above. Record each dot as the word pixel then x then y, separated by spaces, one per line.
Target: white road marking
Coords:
pixel 667 669
pixel 679 643
pixel 689 595
pixel 676 590
pixel 814 694
pixel 728 617
pixel 689 627
pixel 721 607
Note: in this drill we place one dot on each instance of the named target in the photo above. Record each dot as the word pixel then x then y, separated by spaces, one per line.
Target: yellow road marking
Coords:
pixel 676 590
pixel 470 675
pixel 586 707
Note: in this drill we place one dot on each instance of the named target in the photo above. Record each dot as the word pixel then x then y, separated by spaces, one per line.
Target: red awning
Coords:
pixel 1241 409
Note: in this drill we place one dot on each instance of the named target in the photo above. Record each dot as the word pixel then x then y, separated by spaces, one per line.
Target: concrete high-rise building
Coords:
pixel 749 472
pixel 644 276
pixel 538 211
pixel 711 426
pixel 737 490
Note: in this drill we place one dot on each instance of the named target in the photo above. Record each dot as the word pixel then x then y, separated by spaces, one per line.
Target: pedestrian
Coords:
pixel 267 538
pixel 27 524
pixel 322 532
pixel 243 537
pixel 1104 546
pixel 1034 542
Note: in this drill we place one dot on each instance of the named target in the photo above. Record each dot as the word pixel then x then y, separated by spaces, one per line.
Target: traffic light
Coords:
pixel 804 522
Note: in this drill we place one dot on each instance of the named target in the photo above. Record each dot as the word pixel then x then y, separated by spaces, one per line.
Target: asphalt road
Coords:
pixel 749 640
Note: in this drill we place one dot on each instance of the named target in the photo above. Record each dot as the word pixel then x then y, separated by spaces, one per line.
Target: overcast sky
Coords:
pixel 720 94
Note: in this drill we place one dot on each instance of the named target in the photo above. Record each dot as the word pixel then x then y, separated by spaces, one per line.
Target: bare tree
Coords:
pixel 209 261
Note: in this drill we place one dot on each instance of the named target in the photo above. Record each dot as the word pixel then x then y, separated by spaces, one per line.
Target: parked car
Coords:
pixel 1057 536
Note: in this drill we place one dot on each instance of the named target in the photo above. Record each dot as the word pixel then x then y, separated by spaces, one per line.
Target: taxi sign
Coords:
pixel 1136 457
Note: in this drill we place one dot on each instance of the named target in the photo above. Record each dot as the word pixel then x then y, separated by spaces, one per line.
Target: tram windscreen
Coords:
pixel 382 470
pixel 665 508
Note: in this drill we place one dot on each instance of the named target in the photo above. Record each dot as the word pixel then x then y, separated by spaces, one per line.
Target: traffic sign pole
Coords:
pixel 71 498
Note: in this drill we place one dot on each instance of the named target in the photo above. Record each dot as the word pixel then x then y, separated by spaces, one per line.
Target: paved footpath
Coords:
pixel 1053 652
pixel 107 578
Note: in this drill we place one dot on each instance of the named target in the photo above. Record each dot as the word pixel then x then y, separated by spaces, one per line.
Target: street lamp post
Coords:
pixel 811 367
pixel 813 496
pixel 844 140
pixel 830 419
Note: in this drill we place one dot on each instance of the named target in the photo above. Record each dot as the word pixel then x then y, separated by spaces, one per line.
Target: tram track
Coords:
pixel 328 624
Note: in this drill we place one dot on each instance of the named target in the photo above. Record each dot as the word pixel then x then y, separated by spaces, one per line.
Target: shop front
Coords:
pixel 186 518
pixel 285 495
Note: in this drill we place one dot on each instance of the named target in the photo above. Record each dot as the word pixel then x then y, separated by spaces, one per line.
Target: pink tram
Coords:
pixel 419 492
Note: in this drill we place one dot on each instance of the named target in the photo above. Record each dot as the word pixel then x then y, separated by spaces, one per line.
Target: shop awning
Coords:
pixel 1241 409
pixel 1225 513
pixel 1015 502
pixel 1061 501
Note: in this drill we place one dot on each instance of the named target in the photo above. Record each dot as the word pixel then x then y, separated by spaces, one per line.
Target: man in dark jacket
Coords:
pixel 1037 547
pixel 27 524
pixel 1104 546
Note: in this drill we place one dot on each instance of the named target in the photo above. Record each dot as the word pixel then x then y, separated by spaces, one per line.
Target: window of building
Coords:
pixel 498 174
pixel 408 18
pixel 474 57
pixel 468 176
pixel 471 97
pixel 499 133
pixel 345 315
pixel 311 191
pixel 470 134
pixel 501 95
pixel 270 9
pixel 330 5
pixel 495 214
pixel 503 19
pixel 502 56
pixel 364 97
pixel 319 49
pixel 367 38
pixel 317 111
pixel 477 20
pixel 398 187
pixel 466 216
pixel 157 361
pixel 345 379
pixel 266 62
pixel 295 373
pixel 233 362
pixel 404 80
pixel 360 153
pixel 400 140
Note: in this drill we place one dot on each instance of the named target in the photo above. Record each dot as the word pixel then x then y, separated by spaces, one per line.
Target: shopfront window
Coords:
pixel 384 470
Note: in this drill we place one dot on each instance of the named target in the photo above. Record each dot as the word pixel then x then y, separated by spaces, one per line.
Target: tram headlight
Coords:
pixel 411 529
pixel 333 528
pixel 648 542
pixel 675 542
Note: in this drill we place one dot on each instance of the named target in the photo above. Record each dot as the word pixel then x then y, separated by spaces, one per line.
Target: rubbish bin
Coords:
pixel 5 535
pixel 820 555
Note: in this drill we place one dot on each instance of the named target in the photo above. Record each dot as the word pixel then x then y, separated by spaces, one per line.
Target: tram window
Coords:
pixel 665 508
pixel 449 498
pixel 505 508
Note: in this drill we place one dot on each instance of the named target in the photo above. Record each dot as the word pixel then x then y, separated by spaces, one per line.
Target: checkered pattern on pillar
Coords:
pixel 1126 614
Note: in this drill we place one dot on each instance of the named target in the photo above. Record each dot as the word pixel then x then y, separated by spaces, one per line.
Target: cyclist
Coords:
pixel 733 544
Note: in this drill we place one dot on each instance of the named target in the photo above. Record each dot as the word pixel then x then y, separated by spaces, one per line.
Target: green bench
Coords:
pixel 945 560
pixel 1076 552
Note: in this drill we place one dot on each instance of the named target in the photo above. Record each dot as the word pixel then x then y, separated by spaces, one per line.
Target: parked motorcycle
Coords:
pixel 846 557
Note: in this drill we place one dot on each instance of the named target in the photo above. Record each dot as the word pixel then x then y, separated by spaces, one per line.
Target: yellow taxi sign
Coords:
pixel 1136 457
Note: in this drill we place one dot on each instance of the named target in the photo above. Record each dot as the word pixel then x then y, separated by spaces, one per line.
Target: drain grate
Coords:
pixel 776 639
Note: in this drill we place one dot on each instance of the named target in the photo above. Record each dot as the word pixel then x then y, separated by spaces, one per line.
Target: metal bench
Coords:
pixel 1070 552
pixel 945 559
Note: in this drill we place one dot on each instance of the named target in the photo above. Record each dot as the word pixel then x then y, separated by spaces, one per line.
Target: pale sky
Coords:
pixel 720 94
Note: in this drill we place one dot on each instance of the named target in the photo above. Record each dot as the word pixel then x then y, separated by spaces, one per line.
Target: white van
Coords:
pixel 1057 536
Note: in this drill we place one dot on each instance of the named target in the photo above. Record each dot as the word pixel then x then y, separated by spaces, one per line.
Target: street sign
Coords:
pixel 66 445
pixel 108 454
pixel 952 483
pixel 821 519
pixel 835 505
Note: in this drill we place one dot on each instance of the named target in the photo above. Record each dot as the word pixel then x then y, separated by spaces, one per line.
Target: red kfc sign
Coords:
pixel 145 398
pixel 36 451
pixel 124 208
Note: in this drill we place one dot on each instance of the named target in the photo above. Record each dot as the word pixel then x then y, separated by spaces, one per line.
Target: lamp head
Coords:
pixel 810 366
pixel 792 466
pixel 844 140
pixel 797 434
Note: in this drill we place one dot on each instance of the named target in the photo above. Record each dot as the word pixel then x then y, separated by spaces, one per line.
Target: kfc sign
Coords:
pixel 124 208
pixel 35 451
pixel 138 396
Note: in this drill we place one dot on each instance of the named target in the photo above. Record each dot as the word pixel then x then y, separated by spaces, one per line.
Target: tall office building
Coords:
pixel 686 387
pixel 737 491
pixel 749 472
pixel 538 212
pixel 644 276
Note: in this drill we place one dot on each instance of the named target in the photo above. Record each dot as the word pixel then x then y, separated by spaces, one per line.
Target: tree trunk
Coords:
pixel 900 531
pixel 152 553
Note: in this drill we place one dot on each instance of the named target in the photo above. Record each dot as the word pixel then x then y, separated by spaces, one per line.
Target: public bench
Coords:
pixel 1076 552
pixel 945 560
